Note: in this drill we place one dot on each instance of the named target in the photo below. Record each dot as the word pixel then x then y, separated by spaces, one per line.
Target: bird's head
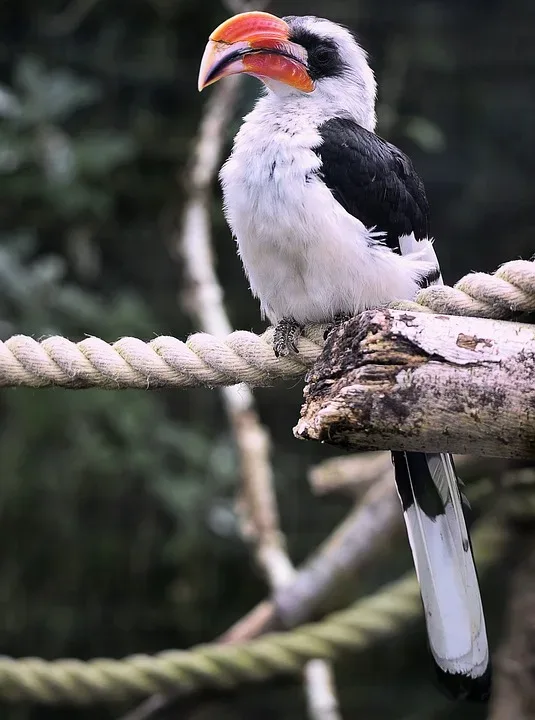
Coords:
pixel 294 56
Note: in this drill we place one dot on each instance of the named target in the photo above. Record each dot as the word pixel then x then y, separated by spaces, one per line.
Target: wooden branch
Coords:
pixel 415 381
pixel 353 474
pixel 320 584
pixel 324 582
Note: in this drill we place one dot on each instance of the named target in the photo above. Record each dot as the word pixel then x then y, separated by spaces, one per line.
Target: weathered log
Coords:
pixel 415 381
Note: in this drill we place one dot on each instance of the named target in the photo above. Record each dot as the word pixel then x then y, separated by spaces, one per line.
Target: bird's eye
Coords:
pixel 322 55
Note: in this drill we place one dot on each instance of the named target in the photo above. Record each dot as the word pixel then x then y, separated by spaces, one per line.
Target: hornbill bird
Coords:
pixel 330 219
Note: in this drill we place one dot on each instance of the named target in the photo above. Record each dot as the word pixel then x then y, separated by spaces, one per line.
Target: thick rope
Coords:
pixel 500 296
pixel 371 619
pixel 163 362
pixel 241 356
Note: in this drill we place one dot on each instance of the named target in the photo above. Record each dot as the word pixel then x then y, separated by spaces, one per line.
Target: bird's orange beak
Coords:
pixel 256 43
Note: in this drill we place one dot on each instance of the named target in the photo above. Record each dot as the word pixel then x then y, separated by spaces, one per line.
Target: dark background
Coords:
pixel 117 531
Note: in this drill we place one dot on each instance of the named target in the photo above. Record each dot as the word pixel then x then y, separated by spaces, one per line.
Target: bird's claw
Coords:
pixel 285 339
pixel 338 320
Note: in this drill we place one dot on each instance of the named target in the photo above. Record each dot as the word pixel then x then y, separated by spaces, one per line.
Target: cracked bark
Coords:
pixel 420 382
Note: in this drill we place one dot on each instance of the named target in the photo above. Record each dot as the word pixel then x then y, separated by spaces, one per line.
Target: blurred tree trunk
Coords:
pixel 514 687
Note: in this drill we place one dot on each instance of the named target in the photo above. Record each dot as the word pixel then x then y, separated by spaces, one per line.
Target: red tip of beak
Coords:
pixel 250 27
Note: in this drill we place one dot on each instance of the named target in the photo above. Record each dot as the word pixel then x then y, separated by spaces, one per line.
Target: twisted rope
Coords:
pixel 500 296
pixel 373 618
pixel 163 362
pixel 241 356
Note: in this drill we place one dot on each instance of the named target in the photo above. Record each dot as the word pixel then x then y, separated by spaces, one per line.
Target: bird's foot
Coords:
pixel 338 320
pixel 286 335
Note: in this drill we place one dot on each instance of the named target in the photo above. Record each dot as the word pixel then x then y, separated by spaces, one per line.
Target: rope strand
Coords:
pixel 241 356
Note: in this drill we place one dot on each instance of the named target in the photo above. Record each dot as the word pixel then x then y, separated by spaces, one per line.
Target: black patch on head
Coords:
pixel 323 55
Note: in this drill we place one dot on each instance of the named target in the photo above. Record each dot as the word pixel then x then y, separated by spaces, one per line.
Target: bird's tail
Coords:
pixel 433 510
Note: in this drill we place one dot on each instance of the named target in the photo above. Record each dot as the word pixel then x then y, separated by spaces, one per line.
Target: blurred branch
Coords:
pixel 353 474
pixel 324 576
pixel 355 543
pixel 323 580
pixel 322 703
pixel 372 618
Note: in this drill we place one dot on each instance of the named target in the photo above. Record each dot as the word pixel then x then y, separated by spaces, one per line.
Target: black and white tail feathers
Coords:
pixel 432 506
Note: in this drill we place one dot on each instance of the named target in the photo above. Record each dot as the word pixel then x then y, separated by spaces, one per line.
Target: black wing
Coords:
pixel 373 180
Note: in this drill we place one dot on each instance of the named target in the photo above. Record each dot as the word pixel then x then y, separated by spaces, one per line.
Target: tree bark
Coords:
pixel 420 382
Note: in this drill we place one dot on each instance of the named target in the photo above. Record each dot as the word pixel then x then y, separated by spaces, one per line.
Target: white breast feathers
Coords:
pixel 306 258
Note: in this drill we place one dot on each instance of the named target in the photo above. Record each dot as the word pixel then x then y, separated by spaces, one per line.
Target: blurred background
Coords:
pixel 118 530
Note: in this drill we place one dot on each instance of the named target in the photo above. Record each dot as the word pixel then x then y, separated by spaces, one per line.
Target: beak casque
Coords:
pixel 256 43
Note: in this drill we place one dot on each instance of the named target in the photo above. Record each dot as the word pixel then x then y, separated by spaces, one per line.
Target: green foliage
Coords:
pixel 39 159
pixel 93 483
